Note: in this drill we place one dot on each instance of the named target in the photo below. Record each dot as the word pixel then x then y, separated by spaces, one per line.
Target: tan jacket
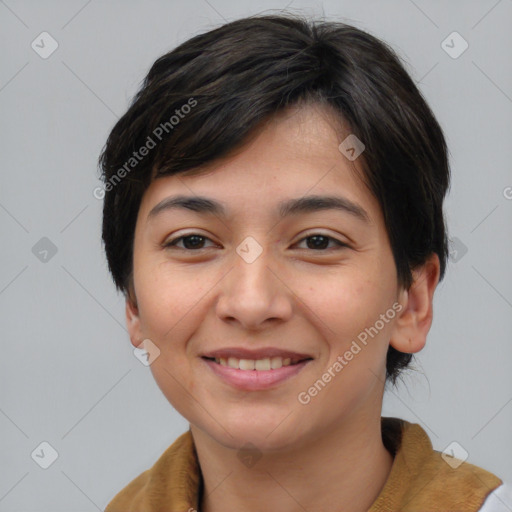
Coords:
pixel 420 479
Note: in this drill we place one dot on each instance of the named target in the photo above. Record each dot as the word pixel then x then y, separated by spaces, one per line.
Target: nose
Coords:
pixel 254 294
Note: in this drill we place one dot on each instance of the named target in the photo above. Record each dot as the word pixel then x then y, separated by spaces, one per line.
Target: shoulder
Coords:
pixel 130 497
pixel 175 470
pixel 425 479
pixel 443 475
pixel 500 500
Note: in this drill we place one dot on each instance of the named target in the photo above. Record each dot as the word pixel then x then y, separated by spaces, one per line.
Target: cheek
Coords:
pixel 168 298
pixel 349 309
pixel 170 309
pixel 341 301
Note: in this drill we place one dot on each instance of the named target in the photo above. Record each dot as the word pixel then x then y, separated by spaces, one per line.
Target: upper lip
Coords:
pixel 255 354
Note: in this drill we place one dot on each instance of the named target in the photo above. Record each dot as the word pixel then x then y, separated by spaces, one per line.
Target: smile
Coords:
pixel 265 364
pixel 255 373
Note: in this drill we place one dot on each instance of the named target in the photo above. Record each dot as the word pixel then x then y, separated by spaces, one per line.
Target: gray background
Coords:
pixel 68 373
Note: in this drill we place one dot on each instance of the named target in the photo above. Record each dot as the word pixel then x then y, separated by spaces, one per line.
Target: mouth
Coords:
pixel 255 370
pixel 263 364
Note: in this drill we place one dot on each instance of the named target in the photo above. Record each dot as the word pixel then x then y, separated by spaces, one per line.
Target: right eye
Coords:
pixel 191 242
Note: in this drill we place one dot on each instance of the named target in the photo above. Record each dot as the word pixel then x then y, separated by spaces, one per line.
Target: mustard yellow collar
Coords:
pixel 420 480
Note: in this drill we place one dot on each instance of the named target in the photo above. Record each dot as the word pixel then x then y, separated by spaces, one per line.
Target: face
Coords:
pixel 272 323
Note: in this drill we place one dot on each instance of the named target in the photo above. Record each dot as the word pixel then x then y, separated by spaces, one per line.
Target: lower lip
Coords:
pixel 255 380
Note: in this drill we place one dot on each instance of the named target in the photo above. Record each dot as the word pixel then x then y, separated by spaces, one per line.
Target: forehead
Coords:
pixel 292 155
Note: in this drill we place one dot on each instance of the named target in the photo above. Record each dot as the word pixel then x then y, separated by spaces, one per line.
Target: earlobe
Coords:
pixel 412 325
pixel 133 322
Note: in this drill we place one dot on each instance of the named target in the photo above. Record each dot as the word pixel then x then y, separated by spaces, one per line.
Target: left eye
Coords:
pixel 319 241
pixel 195 242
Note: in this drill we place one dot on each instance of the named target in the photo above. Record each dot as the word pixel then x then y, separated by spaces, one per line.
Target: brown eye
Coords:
pixel 190 242
pixel 320 242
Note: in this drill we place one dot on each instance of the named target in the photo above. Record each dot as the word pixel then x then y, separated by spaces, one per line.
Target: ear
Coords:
pixel 133 322
pixel 410 331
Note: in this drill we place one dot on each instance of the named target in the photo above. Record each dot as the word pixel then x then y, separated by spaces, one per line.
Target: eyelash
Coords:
pixel 173 242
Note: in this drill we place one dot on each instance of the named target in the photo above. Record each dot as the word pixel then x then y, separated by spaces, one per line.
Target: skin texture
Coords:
pixel 294 296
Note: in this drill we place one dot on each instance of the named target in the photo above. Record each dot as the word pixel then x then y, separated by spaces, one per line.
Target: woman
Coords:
pixel 274 216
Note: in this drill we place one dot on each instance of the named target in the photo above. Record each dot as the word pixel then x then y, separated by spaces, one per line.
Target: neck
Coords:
pixel 344 469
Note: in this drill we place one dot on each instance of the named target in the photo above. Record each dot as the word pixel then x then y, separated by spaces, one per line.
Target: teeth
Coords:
pixel 276 362
pixel 262 364
pixel 246 364
pixel 268 363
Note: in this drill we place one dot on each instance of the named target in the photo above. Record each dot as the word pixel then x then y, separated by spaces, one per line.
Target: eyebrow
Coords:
pixel 307 204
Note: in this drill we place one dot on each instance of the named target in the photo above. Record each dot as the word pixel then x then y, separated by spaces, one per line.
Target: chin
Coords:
pixel 265 435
